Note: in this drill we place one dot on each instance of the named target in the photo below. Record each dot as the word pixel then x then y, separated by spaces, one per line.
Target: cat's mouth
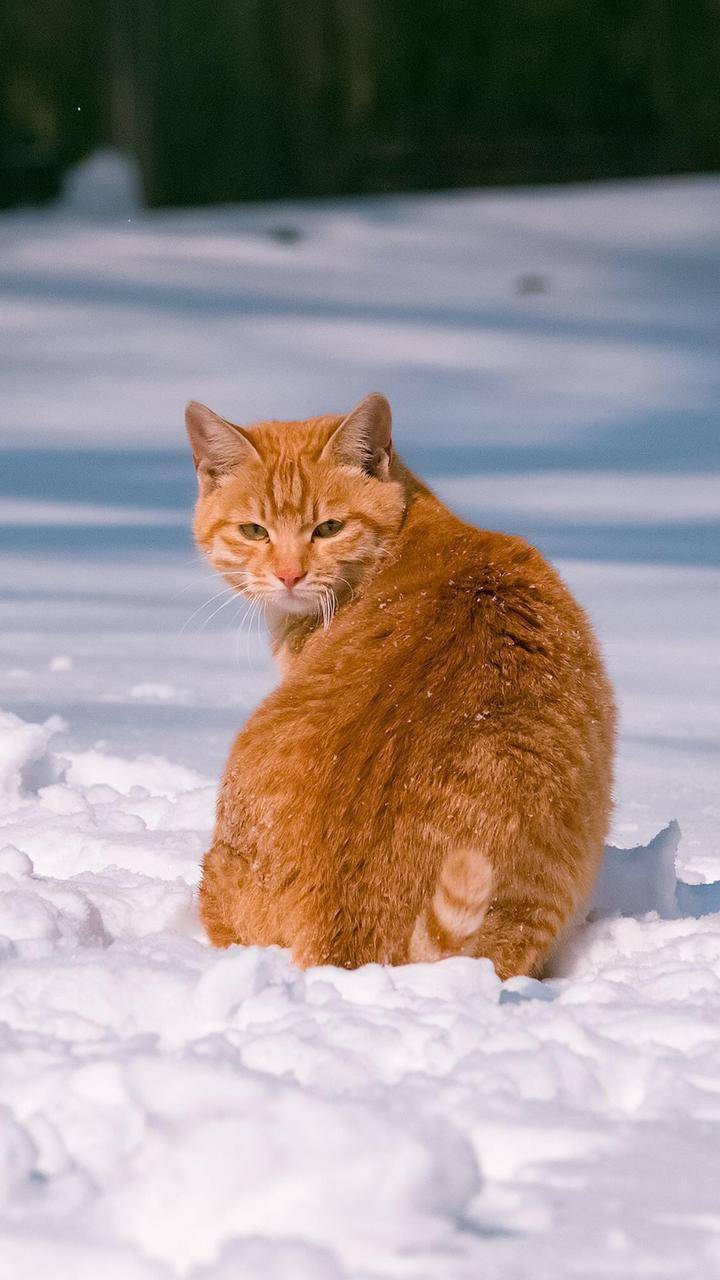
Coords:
pixel 295 600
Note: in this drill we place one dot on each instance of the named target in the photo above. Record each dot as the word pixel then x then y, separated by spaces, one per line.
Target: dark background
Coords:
pixel 246 99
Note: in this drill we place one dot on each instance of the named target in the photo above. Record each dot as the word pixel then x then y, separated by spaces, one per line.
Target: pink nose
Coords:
pixel 290 577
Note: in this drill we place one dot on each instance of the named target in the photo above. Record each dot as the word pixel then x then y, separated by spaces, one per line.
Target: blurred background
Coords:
pixel 504 214
pixel 255 99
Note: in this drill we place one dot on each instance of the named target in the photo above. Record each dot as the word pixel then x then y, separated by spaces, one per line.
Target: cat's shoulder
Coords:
pixel 487 577
pixel 490 561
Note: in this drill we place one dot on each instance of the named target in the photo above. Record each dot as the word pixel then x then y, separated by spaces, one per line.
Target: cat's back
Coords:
pixel 456 596
pixel 462 623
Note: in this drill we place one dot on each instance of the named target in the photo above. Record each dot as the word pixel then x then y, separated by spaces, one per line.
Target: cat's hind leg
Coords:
pixel 474 911
pixel 218 895
pixel 518 934
pixel 537 893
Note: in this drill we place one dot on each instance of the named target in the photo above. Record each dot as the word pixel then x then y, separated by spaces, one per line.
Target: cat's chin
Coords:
pixel 293 603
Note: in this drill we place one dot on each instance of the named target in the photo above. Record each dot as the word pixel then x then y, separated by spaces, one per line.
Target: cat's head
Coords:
pixel 296 514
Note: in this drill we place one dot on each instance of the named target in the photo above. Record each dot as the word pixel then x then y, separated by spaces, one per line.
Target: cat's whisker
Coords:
pixel 204 605
pixel 233 593
pixel 205 576
pixel 257 600
pixel 197 560
pixel 233 589
pixel 349 586
pixel 260 615
pixel 240 620
pixel 322 603
pixel 328 604
pixel 189 586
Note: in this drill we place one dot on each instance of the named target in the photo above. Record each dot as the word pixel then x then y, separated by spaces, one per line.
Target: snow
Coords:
pixel 106 184
pixel 171 1111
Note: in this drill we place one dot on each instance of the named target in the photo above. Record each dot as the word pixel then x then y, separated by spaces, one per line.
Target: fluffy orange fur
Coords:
pixel 433 774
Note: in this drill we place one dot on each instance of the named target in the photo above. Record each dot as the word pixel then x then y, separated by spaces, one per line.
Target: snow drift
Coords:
pixel 168 1108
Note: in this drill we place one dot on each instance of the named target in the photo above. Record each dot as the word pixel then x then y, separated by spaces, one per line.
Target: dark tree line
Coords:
pixel 241 99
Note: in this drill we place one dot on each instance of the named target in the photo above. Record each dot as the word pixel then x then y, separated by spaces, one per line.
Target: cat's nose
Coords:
pixel 290 577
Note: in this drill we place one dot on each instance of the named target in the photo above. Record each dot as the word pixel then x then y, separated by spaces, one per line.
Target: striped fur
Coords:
pixel 432 776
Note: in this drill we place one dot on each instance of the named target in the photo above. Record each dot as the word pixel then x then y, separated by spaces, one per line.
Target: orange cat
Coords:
pixel 432 776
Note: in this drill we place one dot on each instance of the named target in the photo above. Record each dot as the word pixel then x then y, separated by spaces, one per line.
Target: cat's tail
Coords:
pixel 457 908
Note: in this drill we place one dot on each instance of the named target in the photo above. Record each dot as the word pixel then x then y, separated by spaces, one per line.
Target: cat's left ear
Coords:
pixel 364 437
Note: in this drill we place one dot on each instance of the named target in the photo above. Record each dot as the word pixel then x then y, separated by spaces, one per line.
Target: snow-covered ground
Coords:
pixel 168 1111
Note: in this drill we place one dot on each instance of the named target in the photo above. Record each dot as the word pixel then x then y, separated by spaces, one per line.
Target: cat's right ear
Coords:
pixel 218 446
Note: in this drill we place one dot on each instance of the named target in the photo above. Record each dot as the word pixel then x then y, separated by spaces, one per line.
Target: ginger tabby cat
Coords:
pixel 432 777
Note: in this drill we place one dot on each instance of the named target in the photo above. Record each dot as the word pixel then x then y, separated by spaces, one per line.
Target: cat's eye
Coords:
pixel 255 532
pixel 327 529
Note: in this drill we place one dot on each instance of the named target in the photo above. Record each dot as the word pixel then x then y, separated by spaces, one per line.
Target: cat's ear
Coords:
pixel 364 437
pixel 217 446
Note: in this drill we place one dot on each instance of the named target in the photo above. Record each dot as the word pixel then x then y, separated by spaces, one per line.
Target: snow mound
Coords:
pixel 22 746
pixel 174 1111
pixel 105 185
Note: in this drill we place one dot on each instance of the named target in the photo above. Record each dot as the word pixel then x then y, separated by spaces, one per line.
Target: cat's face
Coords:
pixel 296 514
